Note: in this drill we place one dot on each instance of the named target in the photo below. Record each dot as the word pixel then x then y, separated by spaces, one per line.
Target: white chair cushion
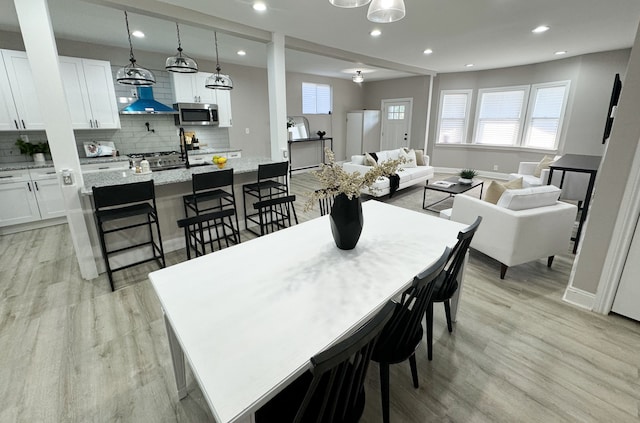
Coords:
pixel 357 159
pixel 529 198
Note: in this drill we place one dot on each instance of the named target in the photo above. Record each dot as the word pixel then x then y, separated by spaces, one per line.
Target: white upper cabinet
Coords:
pixel 223 100
pixel 90 93
pixel 189 88
pixel 25 113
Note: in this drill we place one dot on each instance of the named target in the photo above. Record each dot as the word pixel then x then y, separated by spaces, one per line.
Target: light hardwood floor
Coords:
pixel 72 351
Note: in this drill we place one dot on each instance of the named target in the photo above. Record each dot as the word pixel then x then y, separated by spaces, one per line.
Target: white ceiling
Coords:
pixel 488 33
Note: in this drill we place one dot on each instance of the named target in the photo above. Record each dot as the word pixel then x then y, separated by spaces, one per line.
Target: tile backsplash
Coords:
pixel 133 136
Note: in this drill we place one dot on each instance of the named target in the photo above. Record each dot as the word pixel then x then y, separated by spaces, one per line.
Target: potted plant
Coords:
pixel 37 151
pixel 467 175
pixel 346 213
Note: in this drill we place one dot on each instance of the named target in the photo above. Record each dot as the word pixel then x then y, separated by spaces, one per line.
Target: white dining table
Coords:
pixel 248 318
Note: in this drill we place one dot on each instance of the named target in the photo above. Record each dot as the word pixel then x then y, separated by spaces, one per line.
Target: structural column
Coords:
pixel 39 41
pixel 277 78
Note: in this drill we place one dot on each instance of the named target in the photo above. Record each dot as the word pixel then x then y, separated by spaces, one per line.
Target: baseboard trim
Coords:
pixel 38 224
pixel 579 298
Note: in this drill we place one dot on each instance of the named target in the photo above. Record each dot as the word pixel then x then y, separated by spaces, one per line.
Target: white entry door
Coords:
pixel 396 123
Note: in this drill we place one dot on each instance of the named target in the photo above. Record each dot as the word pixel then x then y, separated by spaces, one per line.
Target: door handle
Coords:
pixel 91 122
pixel 97 126
pixel 29 185
pixel 16 123
pixel 23 125
pixel 36 184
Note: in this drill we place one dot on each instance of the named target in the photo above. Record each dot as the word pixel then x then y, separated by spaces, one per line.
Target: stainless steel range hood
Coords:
pixel 146 104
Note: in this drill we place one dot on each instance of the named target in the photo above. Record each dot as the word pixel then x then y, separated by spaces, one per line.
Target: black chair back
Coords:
pixel 325 204
pixel 456 260
pixel 211 180
pixel 335 393
pixel 116 195
pixel 204 231
pixel 272 170
pixel 404 330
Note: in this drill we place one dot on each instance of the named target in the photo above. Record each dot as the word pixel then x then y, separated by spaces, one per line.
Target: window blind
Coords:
pixel 499 117
pixel 544 122
pixel 316 98
pixel 453 118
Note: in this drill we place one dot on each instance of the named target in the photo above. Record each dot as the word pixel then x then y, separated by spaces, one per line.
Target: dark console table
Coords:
pixel 582 164
pixel 321 142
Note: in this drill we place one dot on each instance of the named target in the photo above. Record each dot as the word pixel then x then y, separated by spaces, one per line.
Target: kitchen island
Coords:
pixel 170 186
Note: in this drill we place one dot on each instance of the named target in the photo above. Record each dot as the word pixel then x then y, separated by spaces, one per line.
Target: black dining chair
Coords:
pixel 276 213
pixel 333 390
pixel 122 208
pixel 447 283
pixel 213 191
pixel 403 333
pixel 273 181
pixel 202 233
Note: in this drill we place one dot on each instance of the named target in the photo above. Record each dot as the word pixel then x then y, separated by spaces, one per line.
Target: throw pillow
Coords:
pixel 420 161
pixel 410 157
pixel 544 164
pixel 529 198
pixel 369 159
pixel 495 190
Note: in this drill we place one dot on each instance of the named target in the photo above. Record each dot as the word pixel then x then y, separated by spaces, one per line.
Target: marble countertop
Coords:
pixel 116 177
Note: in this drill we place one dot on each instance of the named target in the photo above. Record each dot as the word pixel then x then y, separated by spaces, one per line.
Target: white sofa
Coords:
pixel 408 175
pixel 574 186
pixel 514 235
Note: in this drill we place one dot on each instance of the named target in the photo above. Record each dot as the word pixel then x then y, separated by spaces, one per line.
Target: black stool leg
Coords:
pixel 103 245
pixel 384 391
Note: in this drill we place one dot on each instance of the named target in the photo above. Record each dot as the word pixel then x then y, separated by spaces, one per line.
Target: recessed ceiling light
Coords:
pixel 242 53
pixel 540 29
pixel 428 51
pixel 376 33
pixel 260 7
pixel 560 53
pixel 469 65
pixel 138 34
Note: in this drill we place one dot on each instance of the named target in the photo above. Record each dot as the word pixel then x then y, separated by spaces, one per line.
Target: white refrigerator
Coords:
pixel 363 132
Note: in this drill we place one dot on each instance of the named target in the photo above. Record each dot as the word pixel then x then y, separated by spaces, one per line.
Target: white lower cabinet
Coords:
pixel 24 200
pixel 48 193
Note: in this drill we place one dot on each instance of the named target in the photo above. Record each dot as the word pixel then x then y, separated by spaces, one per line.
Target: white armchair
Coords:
pixel 574 187
pixel 517 236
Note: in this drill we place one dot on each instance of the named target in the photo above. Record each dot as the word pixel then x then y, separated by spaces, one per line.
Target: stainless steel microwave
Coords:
pixel 196 114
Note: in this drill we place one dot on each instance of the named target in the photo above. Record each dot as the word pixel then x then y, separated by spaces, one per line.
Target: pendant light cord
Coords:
pixel 215 37
pixel 131 58
pixel 179 42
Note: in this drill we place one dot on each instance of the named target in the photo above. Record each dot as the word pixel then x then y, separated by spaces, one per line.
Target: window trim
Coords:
pixel 530 108
pixel 523 110
pixel 465 126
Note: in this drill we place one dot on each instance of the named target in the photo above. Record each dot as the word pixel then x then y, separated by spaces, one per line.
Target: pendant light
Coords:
pixel 217 81
pixel 132 74
pixel 358 77
pixel 180 63
pixel 386 11
pixel 349 3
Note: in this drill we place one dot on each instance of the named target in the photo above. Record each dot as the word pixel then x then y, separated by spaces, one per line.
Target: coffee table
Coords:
pixel 458 188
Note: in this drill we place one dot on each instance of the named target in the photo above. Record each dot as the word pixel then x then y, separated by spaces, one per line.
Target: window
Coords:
pixel 316 99
pixel 499 115
pixel 546 109
pixel 395 112
pixel 454 116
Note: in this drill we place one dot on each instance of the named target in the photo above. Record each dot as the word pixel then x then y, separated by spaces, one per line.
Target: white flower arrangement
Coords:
pixel 334 180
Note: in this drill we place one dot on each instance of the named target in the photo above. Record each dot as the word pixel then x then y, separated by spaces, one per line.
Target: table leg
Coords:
pixel 177 356
pixel 456 295
pixel 585 209
pixel 481 188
